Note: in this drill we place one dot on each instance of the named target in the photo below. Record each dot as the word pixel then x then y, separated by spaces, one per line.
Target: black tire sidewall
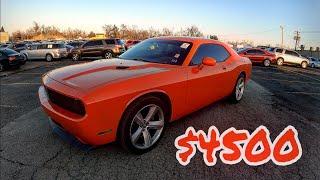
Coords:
pixel 127 118
pixel 233 97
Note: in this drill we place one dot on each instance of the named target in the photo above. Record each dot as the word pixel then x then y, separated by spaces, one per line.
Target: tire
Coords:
pixel 312 65
pixel 304 64
pixel 238 89
pixel 1 67
pixel 266 63
pixel 280 61
pixel 49 57
pixel 108 55
pixel 140 136
pixel 76 56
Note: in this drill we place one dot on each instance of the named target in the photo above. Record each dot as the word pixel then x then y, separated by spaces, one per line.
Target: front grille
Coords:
pixel 68 103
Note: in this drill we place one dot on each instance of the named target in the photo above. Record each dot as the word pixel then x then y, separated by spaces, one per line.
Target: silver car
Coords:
pixel 285 56
pixel 47 51
pixel 314 63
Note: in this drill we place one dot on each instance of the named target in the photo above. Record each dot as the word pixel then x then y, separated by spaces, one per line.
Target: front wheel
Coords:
pixel 238 90
pixel 49 57
pixel 304 64
pixel 108 55
pixel 142 125
pixel 1 67
pixel 312 65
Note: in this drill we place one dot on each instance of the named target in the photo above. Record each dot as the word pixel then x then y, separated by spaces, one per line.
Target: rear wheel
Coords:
pixel 280 62
pixel 142 125
pixel 266 63
pixel 75 56
pixel 304 64
pixel 49 57
pixel 238 90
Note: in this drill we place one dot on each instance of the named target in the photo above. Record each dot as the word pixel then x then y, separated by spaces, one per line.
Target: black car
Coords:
pixel 19 47
pixel 106 48
pixel 10 58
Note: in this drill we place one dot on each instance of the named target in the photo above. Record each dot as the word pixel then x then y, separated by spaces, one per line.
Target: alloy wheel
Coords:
pixel 266 63
pixel 280 62
pixel 108 55
pixel 147 126
pixel 240 88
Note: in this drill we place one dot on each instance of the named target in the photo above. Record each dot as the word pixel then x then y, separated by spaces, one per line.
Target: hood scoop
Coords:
pixel 122 67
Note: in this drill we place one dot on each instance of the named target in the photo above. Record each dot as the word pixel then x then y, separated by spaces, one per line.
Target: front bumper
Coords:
pixel 69 138
pixel 85 128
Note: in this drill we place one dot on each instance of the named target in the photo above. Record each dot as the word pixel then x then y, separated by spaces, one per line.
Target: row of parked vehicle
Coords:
pixel 279 56
pixel 105 48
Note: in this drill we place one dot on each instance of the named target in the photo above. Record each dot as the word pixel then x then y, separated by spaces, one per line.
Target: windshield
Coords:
pixel 159 51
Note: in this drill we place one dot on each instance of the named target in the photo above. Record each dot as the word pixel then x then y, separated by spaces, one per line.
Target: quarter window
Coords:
pixel 218 52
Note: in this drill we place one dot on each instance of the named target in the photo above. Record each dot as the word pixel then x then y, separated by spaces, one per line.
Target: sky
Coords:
pixel 232 20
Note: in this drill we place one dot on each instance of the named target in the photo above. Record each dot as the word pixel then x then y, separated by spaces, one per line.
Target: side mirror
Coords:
pixel 209 61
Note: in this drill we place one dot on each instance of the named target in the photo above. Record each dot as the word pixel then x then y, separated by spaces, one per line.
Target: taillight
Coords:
pixel 12 58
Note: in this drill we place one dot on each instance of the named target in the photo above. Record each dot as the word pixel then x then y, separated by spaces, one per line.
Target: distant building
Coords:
pixel 4 36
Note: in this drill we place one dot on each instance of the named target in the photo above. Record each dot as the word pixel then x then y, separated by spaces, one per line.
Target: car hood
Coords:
pixel 90 75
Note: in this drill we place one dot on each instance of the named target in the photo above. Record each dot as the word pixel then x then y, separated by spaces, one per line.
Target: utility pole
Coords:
pixel 281 27
pixel 297 37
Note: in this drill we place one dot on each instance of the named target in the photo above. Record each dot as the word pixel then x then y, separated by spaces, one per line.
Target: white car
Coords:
pixel 285 56
pixel 47 51
pixel 314 63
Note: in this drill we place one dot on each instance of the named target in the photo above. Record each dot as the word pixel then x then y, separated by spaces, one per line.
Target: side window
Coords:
pixel 42 46
pixel 292 53
pixel 218 52
pixel 279 50
pixel 88 44
pixel 110 41
pixel 251 51
pixel 259 52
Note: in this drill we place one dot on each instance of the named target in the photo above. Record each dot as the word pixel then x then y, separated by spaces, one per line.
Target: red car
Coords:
pixel 130 43
pixel 133 97
pixel 258 56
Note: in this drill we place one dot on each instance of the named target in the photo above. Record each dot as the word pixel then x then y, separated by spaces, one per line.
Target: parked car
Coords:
pixel 130 43
pixel 285 56
pixel 47 51
pixel 133 97
pixel 69 50
pixel 7 45
pixel 107 48
pixel 19 47
pixel 10 58
pixel 75 44
pixel 258 56
pixel 314 63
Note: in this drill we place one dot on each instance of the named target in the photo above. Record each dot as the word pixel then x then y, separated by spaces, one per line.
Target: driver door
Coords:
pixel 206 84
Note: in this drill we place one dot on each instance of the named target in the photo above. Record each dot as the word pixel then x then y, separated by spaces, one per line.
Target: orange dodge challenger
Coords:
pixel 133 97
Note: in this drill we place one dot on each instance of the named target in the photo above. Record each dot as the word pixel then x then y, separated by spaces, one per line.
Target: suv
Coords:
pixel 47 51
pixel 285 56
pixel 107 48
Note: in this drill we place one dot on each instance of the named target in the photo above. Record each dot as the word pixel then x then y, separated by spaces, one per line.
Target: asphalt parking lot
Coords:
pixel 275 97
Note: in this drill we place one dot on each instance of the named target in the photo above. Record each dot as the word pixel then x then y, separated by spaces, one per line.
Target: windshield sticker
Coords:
pixel 177 56
pixel 185 45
